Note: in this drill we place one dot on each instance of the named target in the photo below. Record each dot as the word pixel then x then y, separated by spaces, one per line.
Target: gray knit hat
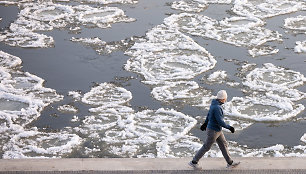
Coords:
pixel 222 94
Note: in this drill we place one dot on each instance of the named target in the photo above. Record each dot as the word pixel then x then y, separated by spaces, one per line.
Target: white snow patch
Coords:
pixel 166 55
pixel 67 108
pixel 182 92
pixel 266 8
pixel 240 31
pixel 300 47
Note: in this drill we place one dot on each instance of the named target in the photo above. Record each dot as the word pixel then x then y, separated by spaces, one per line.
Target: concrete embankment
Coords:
pixel 145 165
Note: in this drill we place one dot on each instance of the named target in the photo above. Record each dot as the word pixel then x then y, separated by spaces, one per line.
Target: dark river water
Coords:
pixel 70 66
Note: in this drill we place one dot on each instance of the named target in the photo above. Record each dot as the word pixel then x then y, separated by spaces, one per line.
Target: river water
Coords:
pixel 137 82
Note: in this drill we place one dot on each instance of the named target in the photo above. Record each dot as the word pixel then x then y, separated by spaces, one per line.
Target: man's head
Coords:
pixel 222 96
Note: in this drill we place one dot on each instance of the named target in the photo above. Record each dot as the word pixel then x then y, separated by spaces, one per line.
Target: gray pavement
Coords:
pixel 156 165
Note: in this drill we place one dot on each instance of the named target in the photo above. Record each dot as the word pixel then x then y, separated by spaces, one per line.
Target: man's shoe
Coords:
pixel 233 165
pixel 195 166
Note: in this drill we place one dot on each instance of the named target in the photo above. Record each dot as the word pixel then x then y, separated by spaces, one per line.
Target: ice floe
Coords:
pixel 300 47
pixel 262 108
pixel 67 108
pixel 276 79
pixel 196 6
pixel 303 138
pixel 296 23
pixel 107 94
pixel 22 98
pixel 167 55
pixel 189 6
pixel 266 8
pixel 107 1
pixel 115 128
pixel 216 77
pixel 14 2
pixel 76 95
pixel 240 31
pixel 181 93
pixel 47 16
pixel 262 51
pixel 271 95
pixel 35 144
pixel 102 47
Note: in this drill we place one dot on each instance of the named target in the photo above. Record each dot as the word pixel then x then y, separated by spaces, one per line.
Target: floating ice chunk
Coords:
pixel 67 108
pixel 296 23
pixel 277 79
pixel 303 138
pixel 45 16
pixel 168 55
pixel 56 15
pixel 22 97
pixel 216 77
pixel 262 51
pixel 233 84
pixel 27 39
pixel 106 94
pixel 109 1
pixel 75 119
pixel 215 1
pixel 266 8
pixel 277 150
pixel 238 124
pixel 182 92
pixel 184 147
pixel 34 144
pixel 14 2
pixel 123 131
pixel 239 31
pixel 189 6
pixel 149 128
pixel 103 47
pixel 89 41
pixel 300 47
pixel 75 95
pixel 9 61
pixel 262 108
pixel 101 17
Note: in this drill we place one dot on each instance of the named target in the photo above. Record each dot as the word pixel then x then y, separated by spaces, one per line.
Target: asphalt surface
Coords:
pixel 147 165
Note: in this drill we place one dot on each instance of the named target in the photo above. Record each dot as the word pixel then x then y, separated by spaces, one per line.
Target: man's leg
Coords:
pixel 223 145
pixel 211 138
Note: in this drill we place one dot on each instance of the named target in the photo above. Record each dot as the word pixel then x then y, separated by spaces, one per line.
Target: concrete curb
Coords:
pixel 147 165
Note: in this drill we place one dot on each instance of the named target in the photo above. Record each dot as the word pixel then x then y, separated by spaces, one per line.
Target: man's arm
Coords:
pixel 203 127
pixel 219 118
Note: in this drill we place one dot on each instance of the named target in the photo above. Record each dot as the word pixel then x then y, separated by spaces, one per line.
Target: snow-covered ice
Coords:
pixel 271 96
pixel 102 47
pixel 296 23
pixel 240 31
pixel 46 16
pixel 22 98
pixel 277 80
pixel 189 6
pixel 266 8
pixel 181 93
pixel 127 133
pixel 167 55
pixel 68 108
pixel 300 47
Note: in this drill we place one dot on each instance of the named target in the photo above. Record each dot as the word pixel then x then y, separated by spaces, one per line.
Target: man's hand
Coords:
pixel 203 127
pixel 232 129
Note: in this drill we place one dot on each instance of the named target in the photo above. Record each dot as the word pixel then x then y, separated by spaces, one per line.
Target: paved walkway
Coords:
pixel 145 165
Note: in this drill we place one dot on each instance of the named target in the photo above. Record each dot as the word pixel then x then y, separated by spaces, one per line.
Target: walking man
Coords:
pixel 213 125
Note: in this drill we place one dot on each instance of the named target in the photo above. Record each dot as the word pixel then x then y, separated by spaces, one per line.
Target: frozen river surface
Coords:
pixel 127 78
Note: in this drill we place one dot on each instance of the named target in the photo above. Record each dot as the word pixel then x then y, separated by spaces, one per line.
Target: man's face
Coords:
pixel 223 100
